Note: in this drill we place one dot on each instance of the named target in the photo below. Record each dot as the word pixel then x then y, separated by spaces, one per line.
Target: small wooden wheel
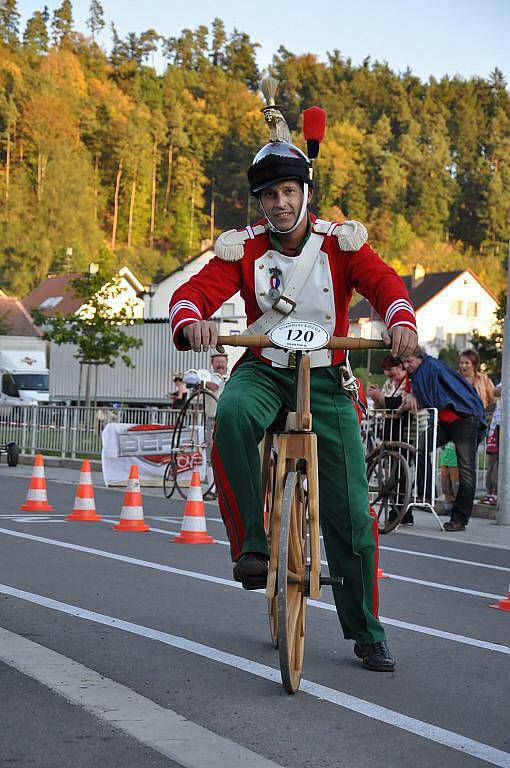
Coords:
pixel 292 562
pixel 268 481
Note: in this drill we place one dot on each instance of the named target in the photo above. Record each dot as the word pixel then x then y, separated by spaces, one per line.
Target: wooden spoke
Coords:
pixel 268 487
pixel 291 570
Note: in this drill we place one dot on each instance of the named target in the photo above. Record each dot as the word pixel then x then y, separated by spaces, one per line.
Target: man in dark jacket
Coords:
pixel 461 420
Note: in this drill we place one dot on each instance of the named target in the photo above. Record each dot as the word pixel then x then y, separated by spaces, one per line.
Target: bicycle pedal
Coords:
pixel 331 580
pixel 254 583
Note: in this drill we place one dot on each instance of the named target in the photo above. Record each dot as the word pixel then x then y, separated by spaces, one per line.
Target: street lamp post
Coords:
pixel 503 517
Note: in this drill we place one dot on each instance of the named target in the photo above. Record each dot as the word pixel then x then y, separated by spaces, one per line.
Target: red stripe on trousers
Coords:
pixel 375 589
pixel 228 505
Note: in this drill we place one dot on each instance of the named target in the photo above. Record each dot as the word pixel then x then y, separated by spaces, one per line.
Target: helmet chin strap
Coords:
pixel 299 219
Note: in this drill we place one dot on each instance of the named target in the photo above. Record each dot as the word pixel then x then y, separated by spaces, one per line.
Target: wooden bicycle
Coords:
pixel 290 483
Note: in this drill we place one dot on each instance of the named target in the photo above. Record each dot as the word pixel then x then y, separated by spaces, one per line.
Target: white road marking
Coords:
pixel 481 644
pixel 160 728
pixel 474 563
pixel 32 519
pixel 446 587
pixel 409 579
pixel 412 552
pixel 39 514
pixel 323 693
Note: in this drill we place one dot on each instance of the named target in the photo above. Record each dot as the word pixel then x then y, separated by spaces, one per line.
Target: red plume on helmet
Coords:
pixel 314 128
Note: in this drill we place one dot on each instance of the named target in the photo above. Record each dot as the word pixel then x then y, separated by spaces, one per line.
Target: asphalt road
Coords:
pixel 166 622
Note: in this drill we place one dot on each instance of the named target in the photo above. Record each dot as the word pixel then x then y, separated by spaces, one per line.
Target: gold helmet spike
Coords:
pixel 278 128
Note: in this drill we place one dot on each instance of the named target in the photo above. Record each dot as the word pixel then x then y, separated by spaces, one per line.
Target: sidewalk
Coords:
pixel 481 531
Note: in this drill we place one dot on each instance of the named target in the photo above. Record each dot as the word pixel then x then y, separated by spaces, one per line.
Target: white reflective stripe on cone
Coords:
pixel 37 494
pixel 193 524
pixel 194 493
pixel 131 513
pixel 85 478
pixel 38 472
pixel 84 503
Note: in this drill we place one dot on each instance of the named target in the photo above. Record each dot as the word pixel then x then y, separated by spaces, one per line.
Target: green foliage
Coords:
pixel 62 23
pixel 95 22
pixel 101 149
pixel 35 37
pixel 450 355
pixel 490 347
pixel 9 22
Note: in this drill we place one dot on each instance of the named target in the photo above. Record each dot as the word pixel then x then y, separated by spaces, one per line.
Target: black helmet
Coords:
pixel 277 161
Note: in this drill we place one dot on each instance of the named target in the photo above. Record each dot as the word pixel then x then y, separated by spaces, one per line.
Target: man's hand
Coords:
pixel 409 403
pixel 202 335
pixel 376 394
pixel 403 340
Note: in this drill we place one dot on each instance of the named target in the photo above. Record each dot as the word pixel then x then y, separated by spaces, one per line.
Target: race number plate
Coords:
pixel 299 334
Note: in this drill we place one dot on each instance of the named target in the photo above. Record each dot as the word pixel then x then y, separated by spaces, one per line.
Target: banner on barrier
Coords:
pixel 149 446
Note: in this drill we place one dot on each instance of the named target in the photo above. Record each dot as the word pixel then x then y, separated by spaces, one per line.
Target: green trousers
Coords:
pixel 248 405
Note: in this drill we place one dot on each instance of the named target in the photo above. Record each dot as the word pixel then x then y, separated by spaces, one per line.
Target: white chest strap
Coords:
pixel 286 304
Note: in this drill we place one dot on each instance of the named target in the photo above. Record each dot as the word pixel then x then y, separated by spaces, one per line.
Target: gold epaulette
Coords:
pixel 230 244
pixel 351 235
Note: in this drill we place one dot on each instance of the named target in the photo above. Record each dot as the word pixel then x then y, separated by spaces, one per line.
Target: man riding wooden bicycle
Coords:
pixel 292 265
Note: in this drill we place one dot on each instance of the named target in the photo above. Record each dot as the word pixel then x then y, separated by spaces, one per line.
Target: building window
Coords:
pixel 472 309
pixel 458 340
pixel 456 308
pixel 228 309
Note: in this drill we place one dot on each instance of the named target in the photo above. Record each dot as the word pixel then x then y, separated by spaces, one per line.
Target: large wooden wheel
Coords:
pixel 389 487
pixel 292 564
pixel 187 449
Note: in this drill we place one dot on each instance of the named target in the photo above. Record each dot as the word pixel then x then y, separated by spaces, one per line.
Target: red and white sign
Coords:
pixel 149 447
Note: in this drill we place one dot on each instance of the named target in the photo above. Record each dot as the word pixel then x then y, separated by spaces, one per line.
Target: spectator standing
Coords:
pixel 390 396
pixel 449 475
pixel 396 384
pixel 492 451
pixel 178 397
pixel 461 419
pixel 469 360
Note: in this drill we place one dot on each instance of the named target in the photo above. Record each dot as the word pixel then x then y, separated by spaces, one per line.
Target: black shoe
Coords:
pixel 375 656
pixel 407 520
pixel 454 525
pixel 251 570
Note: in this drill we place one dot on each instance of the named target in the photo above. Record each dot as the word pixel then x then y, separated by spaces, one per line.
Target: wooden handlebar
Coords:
pixel 335 342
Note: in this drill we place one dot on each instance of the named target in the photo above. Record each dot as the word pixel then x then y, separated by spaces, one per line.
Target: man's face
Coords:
pixel 282 203
pixel 411 363
pixel 219 364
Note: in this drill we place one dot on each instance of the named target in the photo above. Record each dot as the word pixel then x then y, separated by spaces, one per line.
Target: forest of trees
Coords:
pixel 104 159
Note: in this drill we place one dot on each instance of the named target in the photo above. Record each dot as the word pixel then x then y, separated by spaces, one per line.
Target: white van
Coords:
pixel 24 377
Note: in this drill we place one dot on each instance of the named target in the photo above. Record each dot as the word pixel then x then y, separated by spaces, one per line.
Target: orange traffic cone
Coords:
pixel 193 530
pixel 37 499
pixel 131 514
pixel 84 504
pixel 504 604
pixel 375 530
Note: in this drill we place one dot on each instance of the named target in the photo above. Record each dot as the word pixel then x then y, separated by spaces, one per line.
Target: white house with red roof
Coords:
pixel 449 307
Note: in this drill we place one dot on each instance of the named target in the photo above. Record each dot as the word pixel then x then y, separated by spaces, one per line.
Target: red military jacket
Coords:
pixel 244 263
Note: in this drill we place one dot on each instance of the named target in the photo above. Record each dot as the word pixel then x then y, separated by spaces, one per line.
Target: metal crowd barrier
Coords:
pixel 417 430
pixel 70 431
